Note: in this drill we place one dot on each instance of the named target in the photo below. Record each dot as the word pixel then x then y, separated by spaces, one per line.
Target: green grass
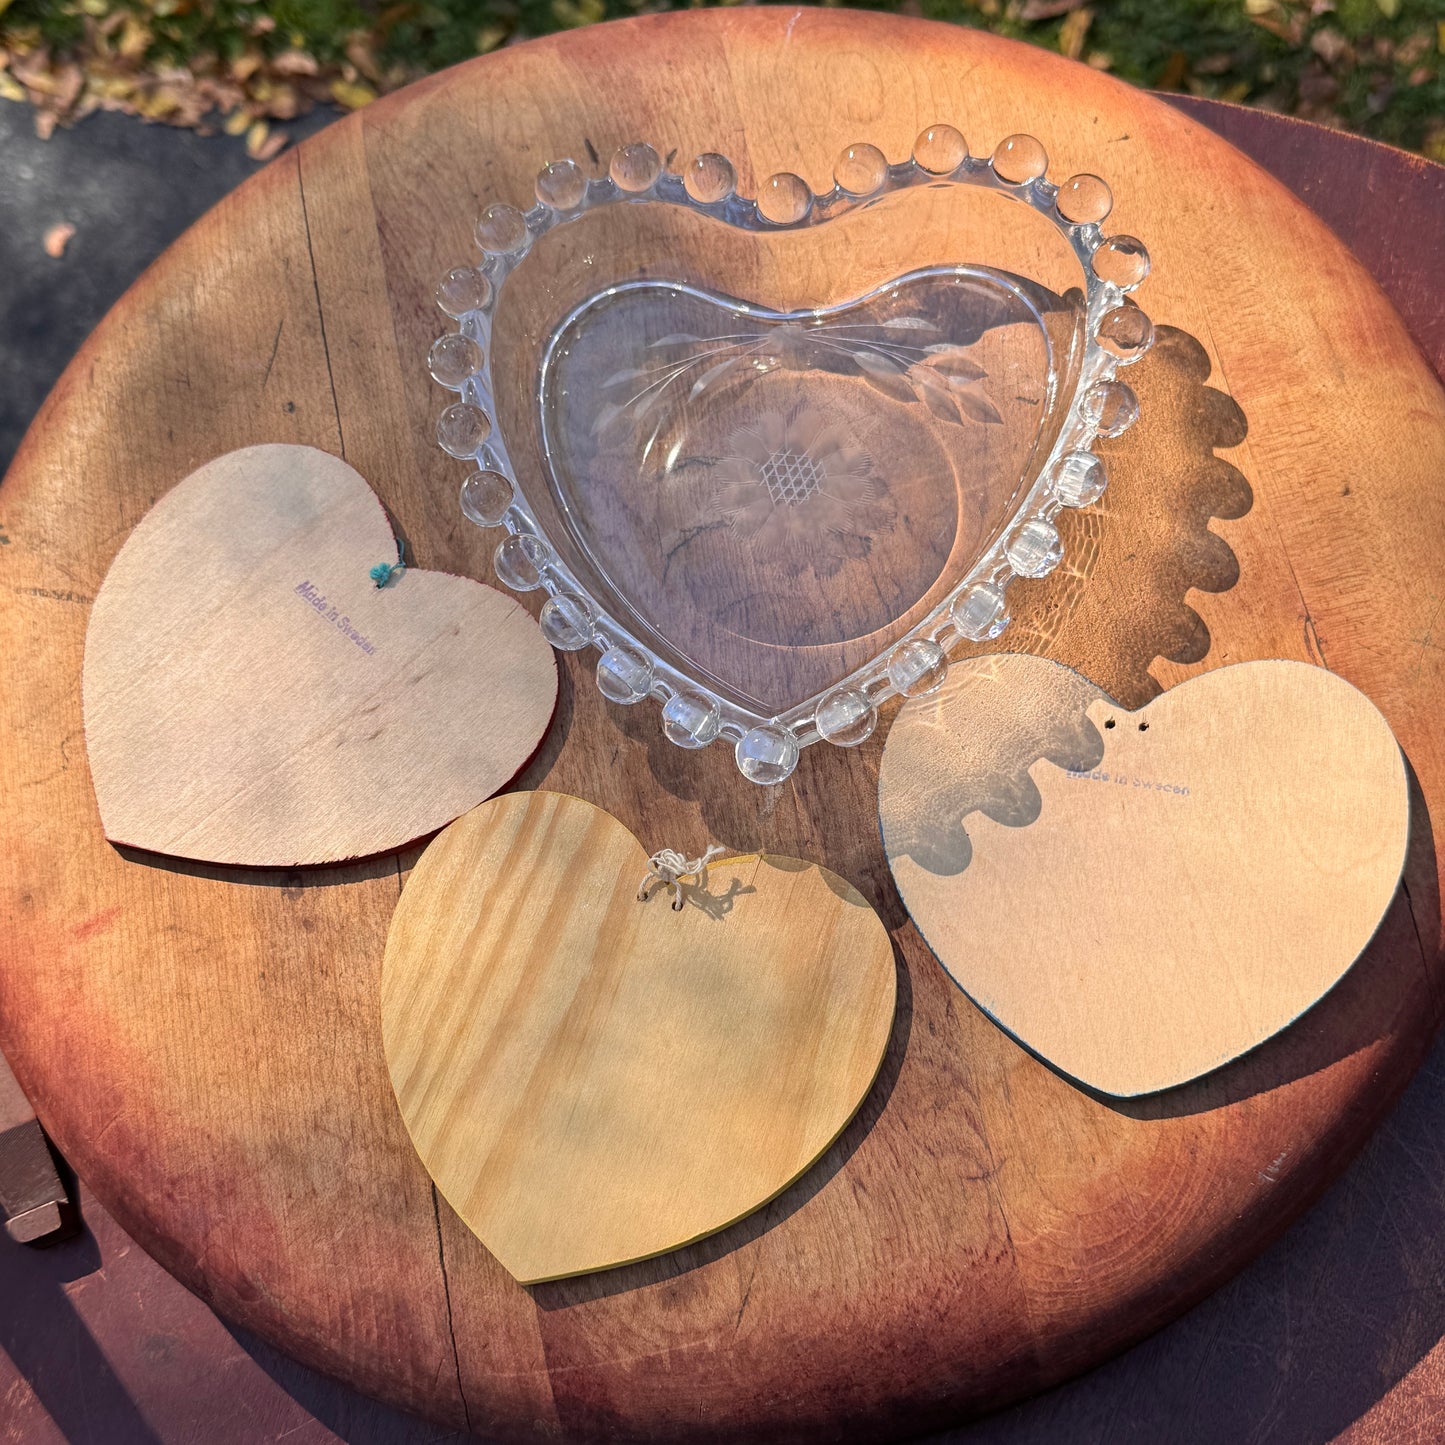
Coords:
pixel 1372 66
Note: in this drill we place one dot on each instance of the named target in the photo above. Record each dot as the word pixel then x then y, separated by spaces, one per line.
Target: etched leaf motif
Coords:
pixel 628 375
pixel 954 361
pixel 715 373
pixel 887 376
pixel 907 323
pixel 606 415
pixel 644 403
pixel 935 393
pixel 975 406
pixel 676 338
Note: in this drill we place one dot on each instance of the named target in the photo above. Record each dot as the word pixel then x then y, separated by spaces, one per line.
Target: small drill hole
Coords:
pixel 1110 723
pixel 1143 727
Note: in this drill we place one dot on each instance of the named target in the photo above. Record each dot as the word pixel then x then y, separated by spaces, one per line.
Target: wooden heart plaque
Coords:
pixel 591 1079
pixel 252 696
pixel 1140 897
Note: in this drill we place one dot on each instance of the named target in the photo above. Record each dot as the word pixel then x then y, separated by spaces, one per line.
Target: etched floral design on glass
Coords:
pixel 770 495
pixel 798 487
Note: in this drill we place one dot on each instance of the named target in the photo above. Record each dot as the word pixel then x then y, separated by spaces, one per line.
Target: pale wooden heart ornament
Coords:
pixel 252 696
pixel 591 1079
pixel 1140 897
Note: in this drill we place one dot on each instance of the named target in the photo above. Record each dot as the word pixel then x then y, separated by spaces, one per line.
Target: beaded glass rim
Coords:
pixel 1116 333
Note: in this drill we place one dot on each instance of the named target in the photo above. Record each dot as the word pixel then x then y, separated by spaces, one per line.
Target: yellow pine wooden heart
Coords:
pixel 591 1079
pixel 1140 897
pixel 252 696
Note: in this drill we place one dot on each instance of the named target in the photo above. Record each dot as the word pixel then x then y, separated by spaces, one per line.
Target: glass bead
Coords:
pixel 691 719
pixel 486 496
pixel 561 185
pixel 940 150
pixel 634 167
pixel 452 359
pixel 461 290
pixel 709 178
pixel 861 169
pixel 785 199
pixel 1122 260
pixel 566 622
pixel 917 667
pixel 501 230
pixel 518 562
pixel 1110 407
pixel 462 428
pixel 767 754
pixel 1079 479
pixel 846 717
pixel 624 675
pixel 1084 199
pixel 1035 549
pixel 981 613
pixel 1126 333
pixel 1020 159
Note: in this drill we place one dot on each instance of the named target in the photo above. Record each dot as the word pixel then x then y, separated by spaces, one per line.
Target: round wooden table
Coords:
pixel 203 1043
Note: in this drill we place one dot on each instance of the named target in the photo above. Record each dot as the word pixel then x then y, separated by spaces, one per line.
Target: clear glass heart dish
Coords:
pixel 774 457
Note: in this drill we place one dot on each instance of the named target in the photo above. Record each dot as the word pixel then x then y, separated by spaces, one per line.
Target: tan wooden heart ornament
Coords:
pixel 1140 897
pixel 253 696
pixel 591 1079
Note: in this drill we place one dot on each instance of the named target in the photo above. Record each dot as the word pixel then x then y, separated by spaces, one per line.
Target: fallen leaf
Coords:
pixel 271 146
pixel 1072 32
pixel 294 62
pixel 57 238
pixel 352 94
pixel 135 39
pixel 1047 9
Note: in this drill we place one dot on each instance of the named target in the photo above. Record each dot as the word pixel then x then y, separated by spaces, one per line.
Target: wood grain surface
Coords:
pixel 252 696
pixel 532 1004
pixel 1039 834
pixel 982 1228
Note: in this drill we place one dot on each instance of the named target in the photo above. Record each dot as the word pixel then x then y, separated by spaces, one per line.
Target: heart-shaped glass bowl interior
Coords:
pixel 773 457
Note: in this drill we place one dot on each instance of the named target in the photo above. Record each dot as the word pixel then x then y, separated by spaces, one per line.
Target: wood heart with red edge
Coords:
pixel 1140 897
pixel 591 1078
pixel 263 686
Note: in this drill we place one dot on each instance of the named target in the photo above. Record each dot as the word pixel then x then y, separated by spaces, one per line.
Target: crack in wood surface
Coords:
pixel 447 1293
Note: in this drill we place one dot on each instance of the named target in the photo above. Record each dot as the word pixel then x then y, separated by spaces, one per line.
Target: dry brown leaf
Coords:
pixel 361 55
pixel 1073 30
pixel 57 238
pixel 270 147
pixel 282 102
pixel 135 38
pixel 69 82
pixel 1047 9
pixel 294 62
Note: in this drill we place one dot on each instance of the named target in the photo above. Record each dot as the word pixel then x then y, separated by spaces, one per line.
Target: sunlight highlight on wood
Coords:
pixel 591 1079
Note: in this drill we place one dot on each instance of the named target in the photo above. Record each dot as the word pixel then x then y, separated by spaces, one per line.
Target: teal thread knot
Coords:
pixel 383 572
